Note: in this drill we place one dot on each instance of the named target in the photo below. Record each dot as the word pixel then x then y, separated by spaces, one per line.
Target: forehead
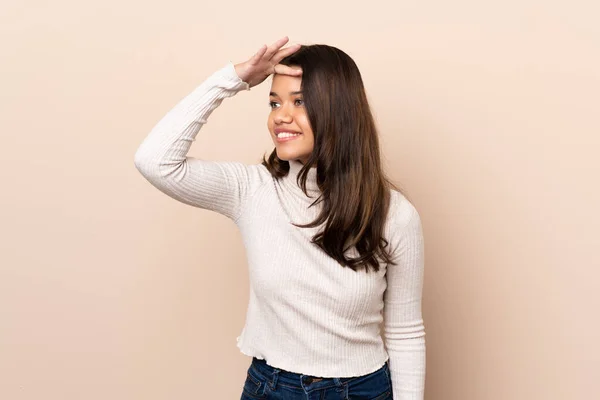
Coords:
pixel 284 84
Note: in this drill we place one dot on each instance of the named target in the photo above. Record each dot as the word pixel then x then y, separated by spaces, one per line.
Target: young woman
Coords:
pixel 334 248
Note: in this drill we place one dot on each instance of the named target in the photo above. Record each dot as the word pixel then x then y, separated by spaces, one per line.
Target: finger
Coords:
pixel 276 46
pixel 259 54
pixel 281 54
pixel 287 70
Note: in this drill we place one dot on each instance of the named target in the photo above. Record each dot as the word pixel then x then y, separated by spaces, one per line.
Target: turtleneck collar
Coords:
pixel 291 179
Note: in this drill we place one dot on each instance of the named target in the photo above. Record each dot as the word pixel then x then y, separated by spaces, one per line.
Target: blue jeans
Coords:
pixel 266 382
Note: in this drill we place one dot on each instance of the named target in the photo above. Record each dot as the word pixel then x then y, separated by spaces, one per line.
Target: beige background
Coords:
pixel 489 117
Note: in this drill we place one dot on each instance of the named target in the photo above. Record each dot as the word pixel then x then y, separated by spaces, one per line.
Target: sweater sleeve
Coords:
pixel 404 330
pixel 219 186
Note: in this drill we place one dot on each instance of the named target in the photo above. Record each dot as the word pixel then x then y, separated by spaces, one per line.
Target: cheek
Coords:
pixel 303 120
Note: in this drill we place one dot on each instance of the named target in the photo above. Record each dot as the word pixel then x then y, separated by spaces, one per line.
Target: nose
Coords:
pixel 282 115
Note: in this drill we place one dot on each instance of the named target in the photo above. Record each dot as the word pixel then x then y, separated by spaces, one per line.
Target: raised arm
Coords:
pixel 404 333
pixel 162 157
pixel 220 186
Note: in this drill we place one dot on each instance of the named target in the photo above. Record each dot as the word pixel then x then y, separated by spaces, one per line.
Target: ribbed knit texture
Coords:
pixel 306 313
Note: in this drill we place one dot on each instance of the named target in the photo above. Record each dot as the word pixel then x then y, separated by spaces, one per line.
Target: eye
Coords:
pixel 273 103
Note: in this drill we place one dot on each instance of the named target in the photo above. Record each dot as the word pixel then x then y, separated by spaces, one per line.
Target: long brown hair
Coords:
pixel 354 188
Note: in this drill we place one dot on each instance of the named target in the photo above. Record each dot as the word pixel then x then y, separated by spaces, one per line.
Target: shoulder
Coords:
pixel 257 170
pixel 403 226
pixel 260 172
pixel 252 173
pixel 402 212
pixel 244 178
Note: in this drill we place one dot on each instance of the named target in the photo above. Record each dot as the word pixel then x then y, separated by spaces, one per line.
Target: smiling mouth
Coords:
pixel 286 136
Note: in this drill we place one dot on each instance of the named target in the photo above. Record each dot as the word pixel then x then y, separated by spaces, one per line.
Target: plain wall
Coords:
pixel 489 118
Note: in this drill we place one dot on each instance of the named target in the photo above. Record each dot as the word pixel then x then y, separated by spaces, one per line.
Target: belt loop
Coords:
pixel 273 383
pixel 341 387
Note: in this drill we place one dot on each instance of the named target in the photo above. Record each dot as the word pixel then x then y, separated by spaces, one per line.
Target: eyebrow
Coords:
pixel 291 93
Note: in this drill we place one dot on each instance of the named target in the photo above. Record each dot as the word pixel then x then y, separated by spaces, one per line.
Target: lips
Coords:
pixel 278 130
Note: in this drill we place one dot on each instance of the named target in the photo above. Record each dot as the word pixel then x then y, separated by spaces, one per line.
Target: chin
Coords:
pixel 287 156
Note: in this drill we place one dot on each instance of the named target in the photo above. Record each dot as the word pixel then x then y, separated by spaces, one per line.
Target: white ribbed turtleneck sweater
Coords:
pixel 306 313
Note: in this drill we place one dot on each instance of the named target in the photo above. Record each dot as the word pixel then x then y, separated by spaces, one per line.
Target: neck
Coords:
pixel 311 178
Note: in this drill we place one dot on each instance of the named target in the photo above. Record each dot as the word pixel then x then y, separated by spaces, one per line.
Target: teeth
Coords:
pixel 287 134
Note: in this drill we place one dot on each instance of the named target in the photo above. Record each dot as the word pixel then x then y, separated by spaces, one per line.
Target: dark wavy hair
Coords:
pixel 354 188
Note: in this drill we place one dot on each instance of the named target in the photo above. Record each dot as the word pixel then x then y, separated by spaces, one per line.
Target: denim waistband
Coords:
pixel 298 380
